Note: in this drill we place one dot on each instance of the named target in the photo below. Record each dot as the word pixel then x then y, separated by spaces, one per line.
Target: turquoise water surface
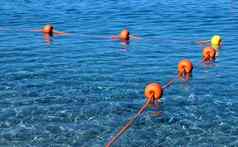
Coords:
pixel 80 89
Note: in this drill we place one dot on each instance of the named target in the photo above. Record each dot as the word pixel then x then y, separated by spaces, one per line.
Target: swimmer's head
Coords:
pixel 124 35
pixel 216 41
pixel 48 29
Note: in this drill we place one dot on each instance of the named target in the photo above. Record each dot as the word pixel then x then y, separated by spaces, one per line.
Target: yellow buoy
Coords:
pixel 216 42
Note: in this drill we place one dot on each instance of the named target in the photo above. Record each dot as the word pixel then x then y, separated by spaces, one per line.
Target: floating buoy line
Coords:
pixel 153 91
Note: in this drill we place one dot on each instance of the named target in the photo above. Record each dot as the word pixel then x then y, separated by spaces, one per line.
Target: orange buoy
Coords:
pixel 209 54
pixel 48 29
pixel 185 68
pixel 124 35
pixel 153 91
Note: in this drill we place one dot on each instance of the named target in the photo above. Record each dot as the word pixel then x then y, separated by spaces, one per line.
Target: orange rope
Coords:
pixel 128 124
pixel 168 84
pixel 133 119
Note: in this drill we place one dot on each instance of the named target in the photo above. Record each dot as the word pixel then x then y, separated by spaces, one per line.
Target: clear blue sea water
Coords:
pixel 81 89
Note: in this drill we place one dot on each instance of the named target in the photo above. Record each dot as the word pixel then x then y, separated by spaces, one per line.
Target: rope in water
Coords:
pixel 141 110
pixel 185 68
